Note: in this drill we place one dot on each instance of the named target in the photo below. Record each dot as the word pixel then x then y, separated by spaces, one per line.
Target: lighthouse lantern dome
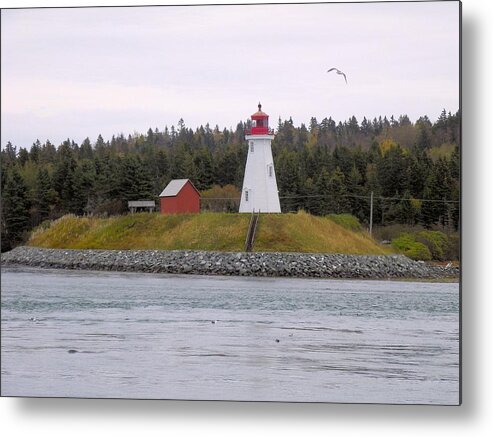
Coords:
pixel 260 123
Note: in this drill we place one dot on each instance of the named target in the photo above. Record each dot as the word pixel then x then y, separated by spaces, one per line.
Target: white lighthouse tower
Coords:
pixel 259 191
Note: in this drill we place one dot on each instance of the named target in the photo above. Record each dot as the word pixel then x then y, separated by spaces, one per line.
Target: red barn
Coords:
pixel 180 196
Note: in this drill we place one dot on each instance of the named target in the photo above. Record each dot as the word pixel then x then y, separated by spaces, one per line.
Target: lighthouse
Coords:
pixel 259 191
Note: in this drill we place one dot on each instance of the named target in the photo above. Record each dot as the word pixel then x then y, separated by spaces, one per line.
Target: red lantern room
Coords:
pixel 260 123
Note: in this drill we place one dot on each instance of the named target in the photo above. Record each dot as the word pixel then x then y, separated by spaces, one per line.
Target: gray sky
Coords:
pixel 80 72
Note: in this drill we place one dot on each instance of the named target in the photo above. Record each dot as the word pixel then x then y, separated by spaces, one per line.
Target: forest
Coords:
pixel 412 169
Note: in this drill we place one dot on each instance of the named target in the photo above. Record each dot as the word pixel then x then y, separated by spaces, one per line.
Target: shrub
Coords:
pixel 347 221
pixel 453 249
pixel 389 232
pixel 437 242
pixel 442 244
pixel 403 241
pixel 418 251
pixel 413 249
pixel 221 199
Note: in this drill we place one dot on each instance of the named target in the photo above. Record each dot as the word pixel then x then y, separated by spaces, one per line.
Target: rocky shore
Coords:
pixel 229 263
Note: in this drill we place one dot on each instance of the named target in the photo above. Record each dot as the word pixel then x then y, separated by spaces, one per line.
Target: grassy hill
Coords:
pixel 299 232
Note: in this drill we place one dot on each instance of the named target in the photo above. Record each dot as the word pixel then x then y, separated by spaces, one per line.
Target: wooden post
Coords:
pixel 371 212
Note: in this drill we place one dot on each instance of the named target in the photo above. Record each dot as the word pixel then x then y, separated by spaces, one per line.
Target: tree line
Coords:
pixel 412 169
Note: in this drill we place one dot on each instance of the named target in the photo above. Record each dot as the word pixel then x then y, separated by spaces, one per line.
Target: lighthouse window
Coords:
pixel 251 146
pixel 246 195
pixel 271 171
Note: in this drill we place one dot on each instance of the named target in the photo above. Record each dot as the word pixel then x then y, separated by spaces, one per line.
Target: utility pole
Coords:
pixel 371 212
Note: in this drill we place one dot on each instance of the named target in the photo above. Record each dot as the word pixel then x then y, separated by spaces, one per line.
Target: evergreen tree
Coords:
pixel 181 164
pixel 23 156
pixel 353 126
pixel 105 196
pixel 424 133
pixel 9 154
pixel 63 178
pixel 287 175
pixel 309 200
pixel 301 137
pixel 162 175
pixel 84 177
pixel 229 167
pixel 15 210
pixel 100 146
pixel 44 196
pixel 365 126
pixel 48 153
pixel 85 150
pixel 204 169
pixel 404 120
pixel 343 159
pixel 419 167
pixel 135 180
pixel 321 158
pixel 355 190
pixel 338 200
pixel 392 172
pixel 454 171
pixel 35 151
pixel 313 125
pixel 437 192
pixel 407 212
pixel 323 186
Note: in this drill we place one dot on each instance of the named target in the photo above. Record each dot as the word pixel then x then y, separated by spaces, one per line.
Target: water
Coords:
pixel 128 335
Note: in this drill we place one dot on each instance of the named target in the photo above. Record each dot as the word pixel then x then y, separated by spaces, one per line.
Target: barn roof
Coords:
pixel 175 186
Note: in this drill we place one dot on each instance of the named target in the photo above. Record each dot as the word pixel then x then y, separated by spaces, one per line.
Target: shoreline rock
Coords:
pixel 271 264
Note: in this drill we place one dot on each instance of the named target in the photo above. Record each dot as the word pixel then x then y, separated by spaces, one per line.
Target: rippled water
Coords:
pixel 113 335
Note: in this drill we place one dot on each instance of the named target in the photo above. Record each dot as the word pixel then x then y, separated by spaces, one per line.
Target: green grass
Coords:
pixel 303 232
pixel 299 232
pixel 347 221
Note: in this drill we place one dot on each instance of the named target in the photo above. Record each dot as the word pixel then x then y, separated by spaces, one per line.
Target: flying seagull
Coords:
pixel 338 72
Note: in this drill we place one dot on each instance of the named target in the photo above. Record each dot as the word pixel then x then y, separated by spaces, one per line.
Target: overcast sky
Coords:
pixel 81 72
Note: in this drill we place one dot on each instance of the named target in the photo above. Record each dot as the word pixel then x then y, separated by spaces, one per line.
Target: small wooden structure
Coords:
pixel 141 205
pixel 180 196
